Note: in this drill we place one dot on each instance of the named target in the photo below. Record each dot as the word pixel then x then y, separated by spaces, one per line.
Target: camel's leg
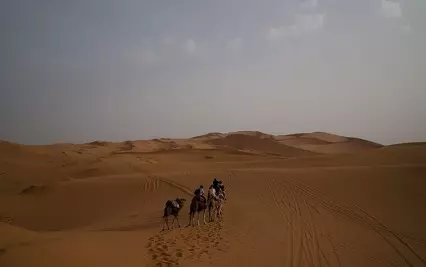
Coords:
pixel 190 219
pixel 210 213
pixel 198 212
pixel 193 219
pixel 173 222
pixel 166 222
pixel 219 211
pixel 204 216
pixel 215 210
pixel 177 219
pixel 208 207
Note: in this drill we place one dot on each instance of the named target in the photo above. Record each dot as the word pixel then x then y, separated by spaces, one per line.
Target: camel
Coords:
pixel 215 201
pixel 196 207
pixel 212 207
pixel 219 203
pixel 171 209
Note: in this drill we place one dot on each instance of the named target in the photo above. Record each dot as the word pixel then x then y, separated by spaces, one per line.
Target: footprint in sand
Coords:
pixel 192 244
pixel 165 255
pixel 179 254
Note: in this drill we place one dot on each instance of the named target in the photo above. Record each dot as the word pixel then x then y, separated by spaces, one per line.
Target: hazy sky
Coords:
pixel 82 70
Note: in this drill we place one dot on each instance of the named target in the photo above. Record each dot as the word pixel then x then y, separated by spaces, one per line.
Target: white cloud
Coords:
pixel 235 44
pixel 190 46
pixel 308 3
pixel 197 49
pixel 303 24
pixel 391 9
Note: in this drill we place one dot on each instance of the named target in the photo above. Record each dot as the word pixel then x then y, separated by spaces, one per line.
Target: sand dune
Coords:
pixel 253 133
pixel 326 143
pixel 258 144
pixel 332 138
pixel 12 236
pixel 335 148
pixel 351 203
pixel 208 136
pixel 300 141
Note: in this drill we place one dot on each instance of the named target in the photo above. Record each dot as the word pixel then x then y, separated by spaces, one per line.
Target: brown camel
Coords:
pixel 171 209
pixel 196 207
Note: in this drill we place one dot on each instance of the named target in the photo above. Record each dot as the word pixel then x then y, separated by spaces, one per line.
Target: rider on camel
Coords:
pixel 212 193
pixel 216 185
pixel 221 189
pixel 199 194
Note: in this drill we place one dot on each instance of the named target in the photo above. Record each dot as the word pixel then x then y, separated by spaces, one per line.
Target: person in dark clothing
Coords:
pixel 199 193
pixel 215 183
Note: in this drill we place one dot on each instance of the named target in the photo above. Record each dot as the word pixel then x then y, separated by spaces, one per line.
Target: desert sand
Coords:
pixel 308 199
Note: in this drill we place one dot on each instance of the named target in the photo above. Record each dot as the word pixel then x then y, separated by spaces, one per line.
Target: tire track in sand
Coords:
pixel 315 232
pixel 305 247
pixel 282 207
pixel 152 184
pixel 357 215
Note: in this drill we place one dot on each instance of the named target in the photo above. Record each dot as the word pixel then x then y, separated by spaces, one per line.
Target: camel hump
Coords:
pixel 175 204
pixel 169 203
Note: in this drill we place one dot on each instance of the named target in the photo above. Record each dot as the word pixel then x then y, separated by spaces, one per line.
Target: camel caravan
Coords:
pixel 213 203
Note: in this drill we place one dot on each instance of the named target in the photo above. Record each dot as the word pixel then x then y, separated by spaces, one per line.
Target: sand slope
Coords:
pixel 100 204
pixel 326 143
pixel 258 144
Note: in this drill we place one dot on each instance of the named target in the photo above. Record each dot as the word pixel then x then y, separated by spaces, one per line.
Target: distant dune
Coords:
pixel 209 136
pixel 257 143
pixel 326 143
pixel 300 141
pixel 418 144
pixel 317 142
pixel 253 133
pixel 332 138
